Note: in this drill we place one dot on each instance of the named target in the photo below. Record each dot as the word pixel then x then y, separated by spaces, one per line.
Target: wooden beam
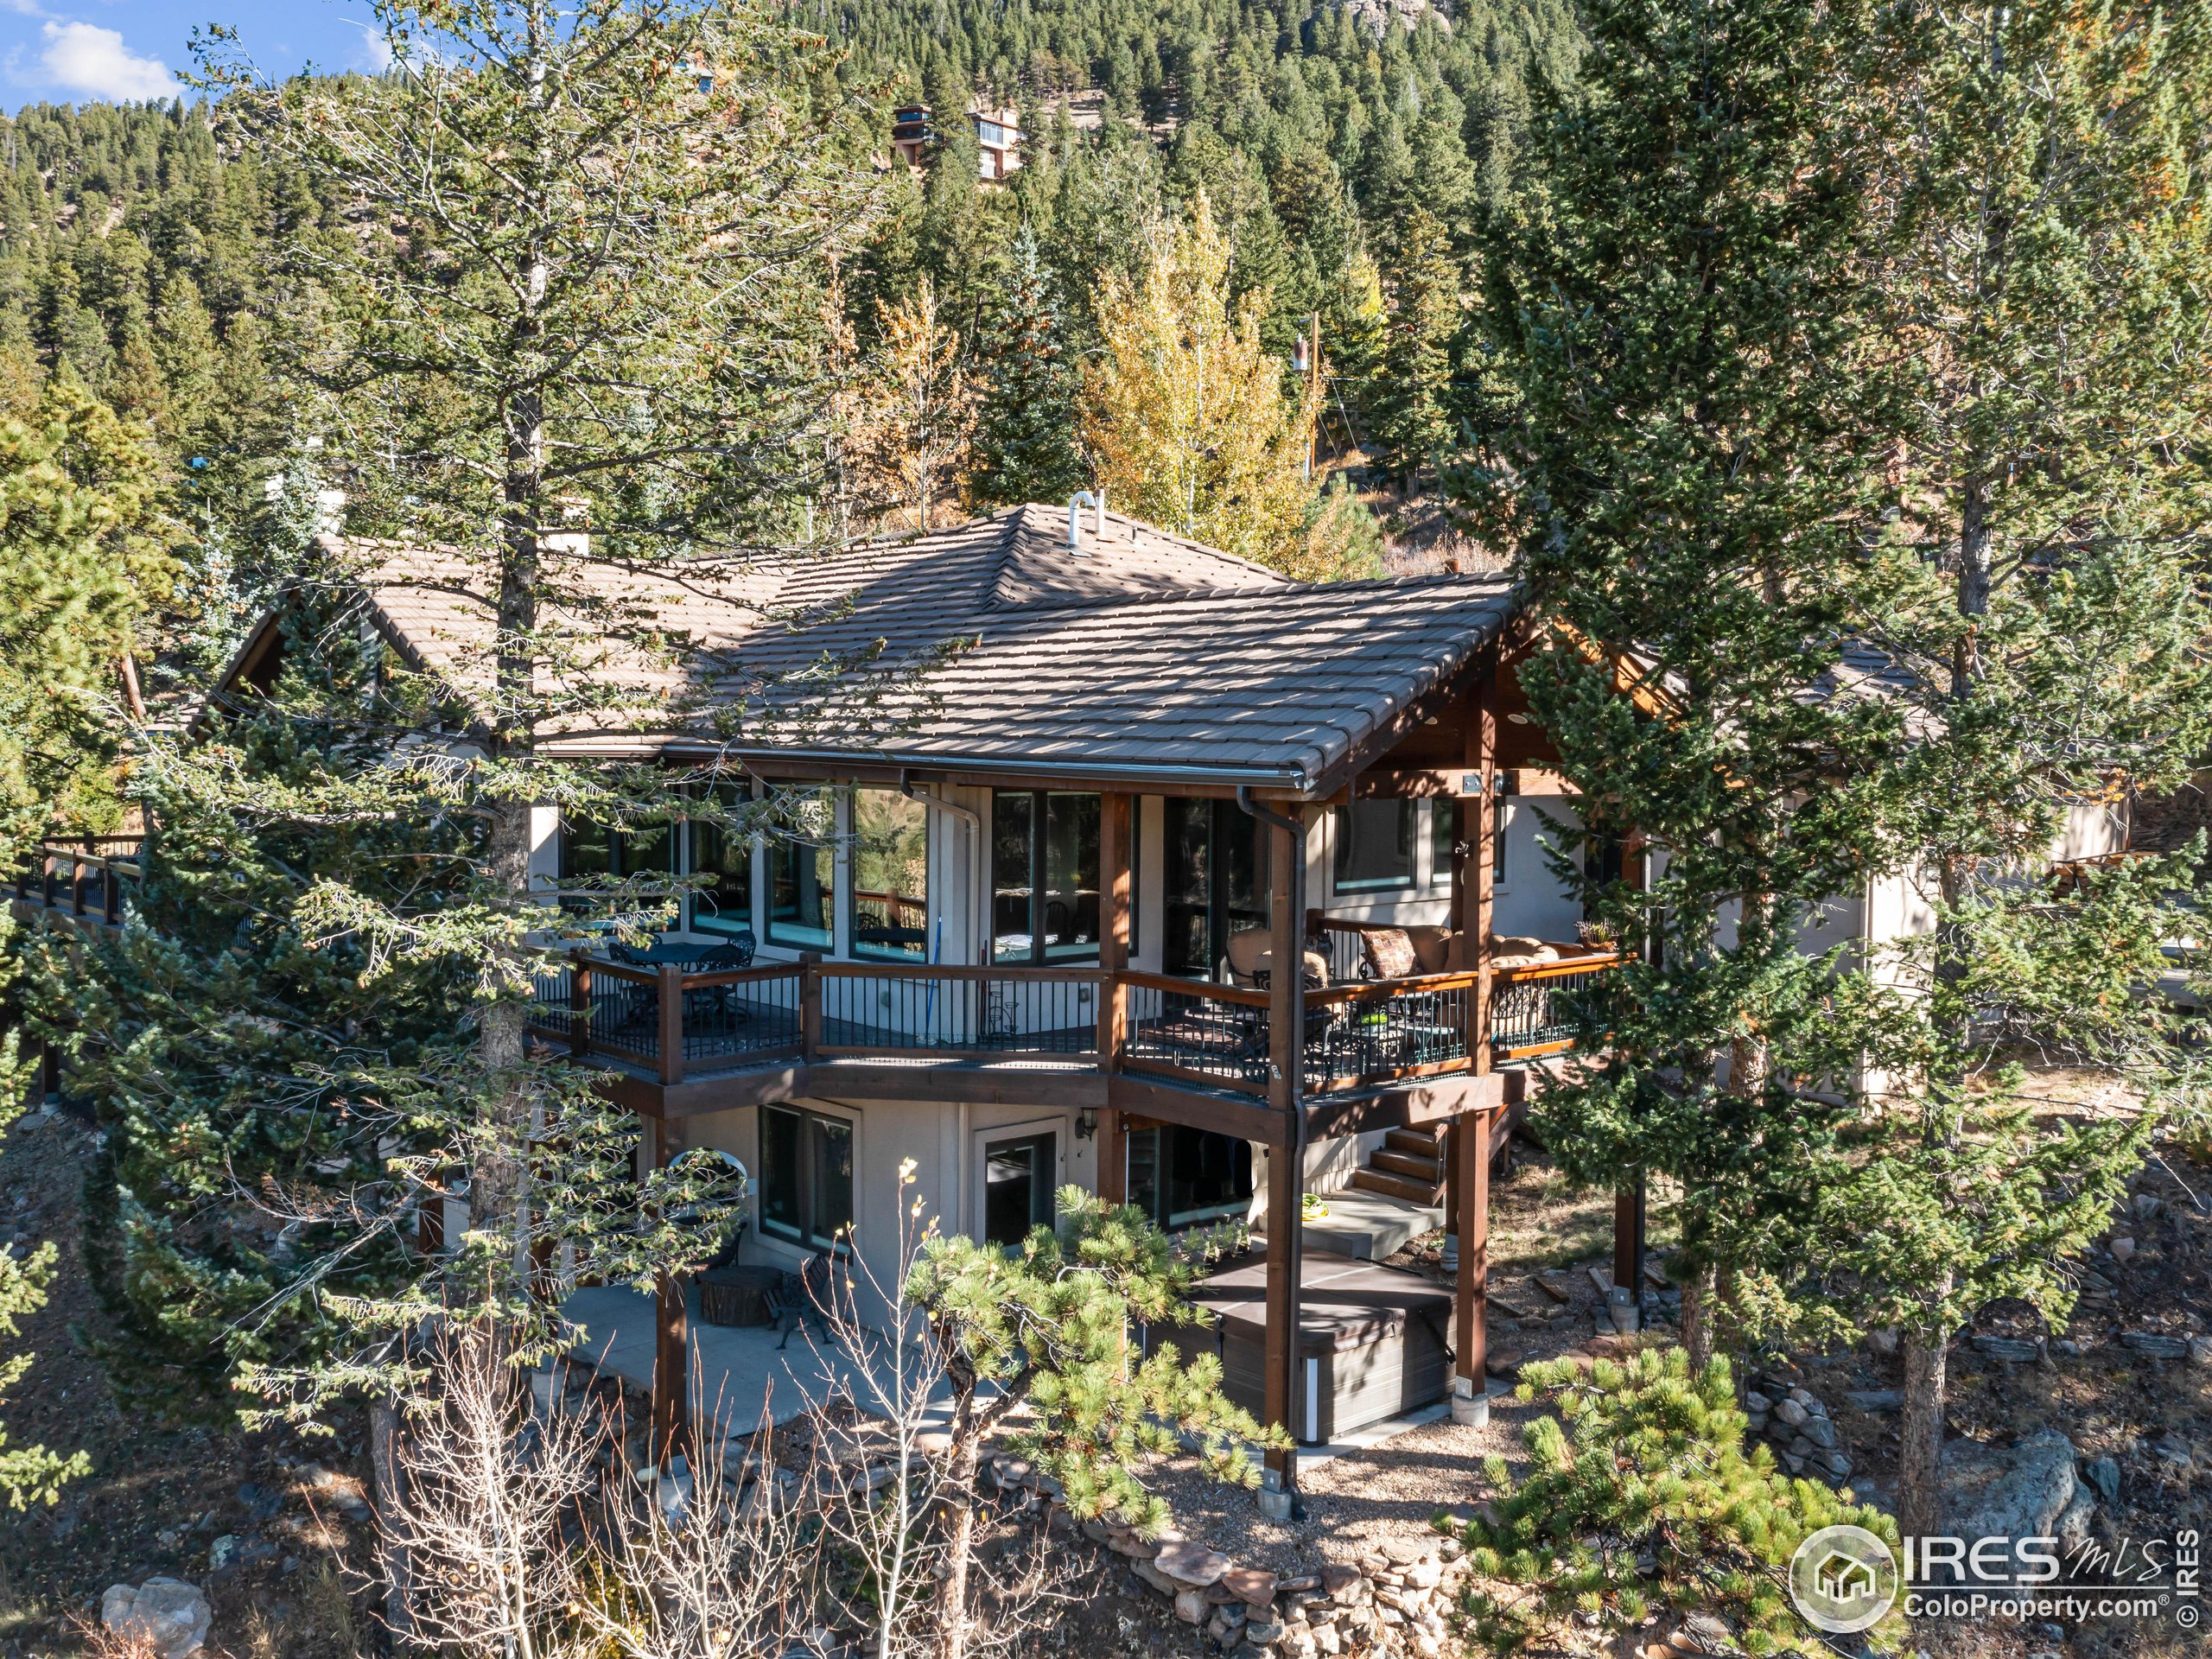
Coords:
pixel 671 1339
pixel 1285 1161
pixel 1135 1096
pixel 1471 1288
pixel 1401 1106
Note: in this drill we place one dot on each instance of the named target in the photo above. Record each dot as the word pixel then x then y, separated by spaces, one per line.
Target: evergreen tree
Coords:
pixel 1639 1497
pixel 1668 305
pixel 1047 1328
pixel 2037 176
pixel 1025 433
pixel 1409 404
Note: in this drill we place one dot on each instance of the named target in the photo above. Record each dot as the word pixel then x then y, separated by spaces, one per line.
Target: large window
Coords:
pixel 1044 877
pixel 1018 1179
pixel 1182 1177
pixel 891 876
pixel 1215 883
pixel 806 1176
pixel 726 907
pixel 593 849
pixel 1374 846
pixel 803 878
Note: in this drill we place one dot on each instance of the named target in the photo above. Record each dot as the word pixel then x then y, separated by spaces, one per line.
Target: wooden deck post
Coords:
pixel 1116 846
pixel 1286 1159
pixel 671 1024
pixel 671 1336
pixel 1471 1144
pixel 1629 1201
pixel 1470 1132
pixel 579 1004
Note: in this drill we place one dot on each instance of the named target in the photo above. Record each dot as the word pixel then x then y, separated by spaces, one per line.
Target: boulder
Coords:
pixel 1822 1433
pixel 2122 1248
pixel 2010 1350
pixel 1792 1412
pixel 2153 1344
pixel 1875 1400
pixel 172 1615
pixel 1191 1607
pixel 1343 1583
pixel 2028 1490
pixel 2200 1351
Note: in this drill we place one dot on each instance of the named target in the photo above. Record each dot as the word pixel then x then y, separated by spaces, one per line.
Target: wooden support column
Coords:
pixel 671 1338
pixel 671 1024
pixel 1116 854
pixel 1285 1161
pixel 1629 1201
pixel 1471 1136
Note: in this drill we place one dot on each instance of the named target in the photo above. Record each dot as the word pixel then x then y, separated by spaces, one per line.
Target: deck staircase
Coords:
pixel 1408 1164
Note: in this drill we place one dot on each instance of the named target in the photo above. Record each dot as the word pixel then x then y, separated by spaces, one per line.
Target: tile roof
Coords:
pixel 989 646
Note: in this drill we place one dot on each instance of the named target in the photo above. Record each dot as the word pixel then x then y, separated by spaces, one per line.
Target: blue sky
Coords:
pixel 87 51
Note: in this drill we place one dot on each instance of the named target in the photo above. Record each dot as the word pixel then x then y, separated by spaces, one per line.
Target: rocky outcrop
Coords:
pixel 2028 1490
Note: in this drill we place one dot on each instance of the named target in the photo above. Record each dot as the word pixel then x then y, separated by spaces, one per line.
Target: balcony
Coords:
pixel 89 881
pixel 680 1040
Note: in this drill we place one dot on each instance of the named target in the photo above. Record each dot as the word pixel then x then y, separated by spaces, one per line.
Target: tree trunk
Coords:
pixel 1920 1451
pixel 389 1482
pixel 960 1531
pixel 1699 1299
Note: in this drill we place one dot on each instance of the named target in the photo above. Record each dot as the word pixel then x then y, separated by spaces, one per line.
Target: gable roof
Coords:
pixel 991 646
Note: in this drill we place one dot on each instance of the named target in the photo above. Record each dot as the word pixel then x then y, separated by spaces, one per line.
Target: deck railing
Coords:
pixel 89 878
pixel 1192 1031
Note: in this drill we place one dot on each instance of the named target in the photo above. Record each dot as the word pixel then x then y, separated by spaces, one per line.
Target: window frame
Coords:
pixel 840 872
pixel 1039 953
pixel 808 1233
pixel 849 897
pixel 1043 1175
pixel 741 788
pixel 1372 887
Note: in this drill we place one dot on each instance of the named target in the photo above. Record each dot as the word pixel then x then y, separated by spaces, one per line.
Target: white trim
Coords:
pixel 1061 1127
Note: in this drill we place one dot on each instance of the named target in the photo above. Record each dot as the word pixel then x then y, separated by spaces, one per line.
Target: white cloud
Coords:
pixel 86 58
pixel 374 56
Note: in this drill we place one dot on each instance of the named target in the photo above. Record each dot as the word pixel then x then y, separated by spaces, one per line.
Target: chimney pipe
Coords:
pixel 1096 502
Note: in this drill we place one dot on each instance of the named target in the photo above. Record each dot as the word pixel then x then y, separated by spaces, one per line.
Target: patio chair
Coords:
pixel 1250 962
pixel 807 1295
pixel 723 1001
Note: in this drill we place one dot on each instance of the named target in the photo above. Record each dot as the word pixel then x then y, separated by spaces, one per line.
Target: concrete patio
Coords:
pixel 737 1373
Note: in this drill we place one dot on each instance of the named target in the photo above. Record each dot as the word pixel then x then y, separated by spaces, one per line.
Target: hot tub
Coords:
pixel 1374 1343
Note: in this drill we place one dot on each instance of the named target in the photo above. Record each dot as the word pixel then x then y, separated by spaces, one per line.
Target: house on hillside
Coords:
pixel 1035 939
pixel 998 137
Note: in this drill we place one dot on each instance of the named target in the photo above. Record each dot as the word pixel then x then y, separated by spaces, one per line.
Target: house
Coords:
pixel 998 137
pixel 1076 785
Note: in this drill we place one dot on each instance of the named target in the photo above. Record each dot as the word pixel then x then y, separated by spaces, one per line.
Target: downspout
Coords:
pixel 1290 1228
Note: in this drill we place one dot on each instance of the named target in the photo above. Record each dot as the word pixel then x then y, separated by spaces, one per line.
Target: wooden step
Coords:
pixel 1420 1142
pixel 1397 1186
pixel 1410 1163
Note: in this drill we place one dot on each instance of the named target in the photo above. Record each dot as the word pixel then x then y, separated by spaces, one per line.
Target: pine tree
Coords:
pixel 1025 435
pixel 1639 1497
pixel 1409 413
pixel 2037 176
pixel 1045 1328
pixel 1668 307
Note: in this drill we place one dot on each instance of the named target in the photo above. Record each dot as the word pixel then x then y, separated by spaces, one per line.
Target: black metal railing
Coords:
pixel 1194 1031
pixel 949 1012
pixel 1362 1034
pixel 1528 1013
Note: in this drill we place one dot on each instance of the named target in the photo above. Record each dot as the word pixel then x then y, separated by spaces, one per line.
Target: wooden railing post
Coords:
pixel 810 1009
pixel 76 885
pixel 110 895
pixel 1116 839
pixel 579 1004
pixel 46 863
pixel 671 1024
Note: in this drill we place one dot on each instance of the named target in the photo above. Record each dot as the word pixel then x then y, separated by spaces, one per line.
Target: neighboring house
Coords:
pixel 998 137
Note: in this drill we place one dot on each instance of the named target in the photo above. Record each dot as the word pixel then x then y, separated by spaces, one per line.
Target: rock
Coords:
pixel 1875 1399
pixel 1757 1403
pixel 1225 1625
pixel 2153 1344
pixel 1837 1465
pixel 2200 1351
pixel 172 1615
pixel 1707 1634
pixel 1327 1639
pixel 1252 1585
pixel 1822 1433
pixel 1341 1583
pixel 1792 1412
pixel 2009 1349
pixel 2175 1462
pixel 1263 1634
pixel 1793 1462
pixel 2066 1348
pixel 1191 1607
pixel 2103 1474
pixel 1755 1425
pixel 1194 1564
pixel 1502 1361
pixel 2122 1248
pixel 2019 1491
pixel 260 1502
pixel 1152 1575
pixel 1802 1447
pixel 1450 1549
pixel 1883 1344
pixel 1404 1552
pixel 1425 1575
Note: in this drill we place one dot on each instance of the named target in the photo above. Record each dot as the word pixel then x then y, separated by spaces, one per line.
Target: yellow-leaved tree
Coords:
pixel 912 422
pixel 1188 422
